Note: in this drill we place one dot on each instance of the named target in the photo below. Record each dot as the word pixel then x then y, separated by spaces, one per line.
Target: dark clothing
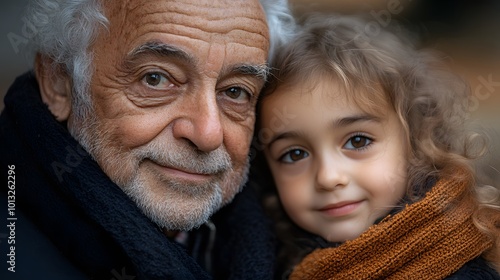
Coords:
pixel 74 222
pixel 477 269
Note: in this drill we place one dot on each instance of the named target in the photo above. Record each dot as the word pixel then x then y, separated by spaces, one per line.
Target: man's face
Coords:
pixel 173 94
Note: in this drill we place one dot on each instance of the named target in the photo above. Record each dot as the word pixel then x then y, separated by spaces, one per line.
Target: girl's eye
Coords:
pixel 357 142
pixel 294 155
pixel 156 80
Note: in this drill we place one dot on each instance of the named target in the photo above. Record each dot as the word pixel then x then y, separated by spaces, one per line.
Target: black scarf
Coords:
pixel 93 223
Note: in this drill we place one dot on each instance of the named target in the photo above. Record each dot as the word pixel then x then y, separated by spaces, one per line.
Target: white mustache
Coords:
pixel 186 158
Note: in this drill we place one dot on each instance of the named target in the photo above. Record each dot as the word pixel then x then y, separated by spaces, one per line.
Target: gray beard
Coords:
pixel 189 208
pixel 170 204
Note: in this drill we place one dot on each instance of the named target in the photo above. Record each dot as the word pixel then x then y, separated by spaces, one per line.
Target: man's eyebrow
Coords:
pixel 353 119
pixel 162 49
pixel 159 49
pixel 259 71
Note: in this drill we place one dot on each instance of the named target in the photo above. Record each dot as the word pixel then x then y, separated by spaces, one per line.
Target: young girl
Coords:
pixel 363 137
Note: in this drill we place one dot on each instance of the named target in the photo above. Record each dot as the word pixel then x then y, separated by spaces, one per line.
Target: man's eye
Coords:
pixel 357 142
pixel 294 155
pixel 156 80
pixel 237 93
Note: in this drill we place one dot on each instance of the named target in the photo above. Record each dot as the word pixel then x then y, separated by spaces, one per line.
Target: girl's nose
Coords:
pixel 331 174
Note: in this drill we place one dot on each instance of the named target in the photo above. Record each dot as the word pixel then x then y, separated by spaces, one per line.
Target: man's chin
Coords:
pixel 176 205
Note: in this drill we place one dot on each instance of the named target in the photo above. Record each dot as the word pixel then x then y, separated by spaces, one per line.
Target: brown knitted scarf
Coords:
pixel 429 239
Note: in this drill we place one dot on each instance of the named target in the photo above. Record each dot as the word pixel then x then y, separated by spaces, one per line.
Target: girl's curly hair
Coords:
pixel 380 68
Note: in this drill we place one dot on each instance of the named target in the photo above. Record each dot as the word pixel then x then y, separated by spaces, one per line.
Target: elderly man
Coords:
pixel 133 129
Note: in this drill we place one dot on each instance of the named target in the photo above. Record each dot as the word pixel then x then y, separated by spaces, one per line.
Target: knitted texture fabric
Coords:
pixel 429 239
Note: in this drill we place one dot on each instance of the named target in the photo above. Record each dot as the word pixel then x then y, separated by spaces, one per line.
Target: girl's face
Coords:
pixel 337 168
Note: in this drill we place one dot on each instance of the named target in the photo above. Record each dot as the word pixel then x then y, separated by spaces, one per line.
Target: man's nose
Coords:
pixel 201 124
pixel 331 174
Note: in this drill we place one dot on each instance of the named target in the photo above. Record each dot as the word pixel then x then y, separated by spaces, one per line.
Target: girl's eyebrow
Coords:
pixel 342 122
pixel 286 135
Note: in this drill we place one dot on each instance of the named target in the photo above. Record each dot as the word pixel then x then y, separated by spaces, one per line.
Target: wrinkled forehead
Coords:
pixel 220 21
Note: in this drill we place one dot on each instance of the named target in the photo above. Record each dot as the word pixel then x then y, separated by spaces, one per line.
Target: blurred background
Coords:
pixel 467 31
pixel 13 59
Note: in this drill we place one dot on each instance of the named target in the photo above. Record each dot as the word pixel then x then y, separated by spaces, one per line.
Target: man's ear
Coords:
pixel 55 87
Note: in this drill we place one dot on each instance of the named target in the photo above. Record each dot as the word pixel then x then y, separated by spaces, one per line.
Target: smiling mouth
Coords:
pixel 340 209
pixel 183 174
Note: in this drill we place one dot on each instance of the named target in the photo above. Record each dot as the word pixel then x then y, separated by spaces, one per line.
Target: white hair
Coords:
pixel 65 29
pixel 281 23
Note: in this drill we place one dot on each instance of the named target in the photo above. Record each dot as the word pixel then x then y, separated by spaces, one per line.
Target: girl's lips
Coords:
pixel 341 208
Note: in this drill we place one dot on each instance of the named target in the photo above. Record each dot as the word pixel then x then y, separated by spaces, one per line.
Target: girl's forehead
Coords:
pixel 318 88
pixel 300 105
pixel 332 91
